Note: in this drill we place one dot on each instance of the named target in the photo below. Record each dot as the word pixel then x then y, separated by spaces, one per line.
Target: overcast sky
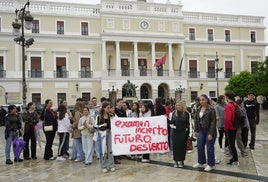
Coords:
pixel 237 7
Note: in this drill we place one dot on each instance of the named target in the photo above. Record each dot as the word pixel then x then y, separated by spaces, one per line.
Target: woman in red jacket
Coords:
pixel 229 126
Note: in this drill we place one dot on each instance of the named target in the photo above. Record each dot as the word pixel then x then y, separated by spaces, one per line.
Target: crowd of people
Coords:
pixel 89 126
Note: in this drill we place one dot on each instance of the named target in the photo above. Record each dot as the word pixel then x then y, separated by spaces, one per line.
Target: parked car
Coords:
pixel 39 107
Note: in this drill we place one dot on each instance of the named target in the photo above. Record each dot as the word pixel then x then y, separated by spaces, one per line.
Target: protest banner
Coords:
pixel 139 135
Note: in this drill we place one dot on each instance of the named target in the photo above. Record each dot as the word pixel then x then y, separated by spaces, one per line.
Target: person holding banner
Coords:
pixel 206 133
pixel 145 112
pixel 181 121
pixel 105 138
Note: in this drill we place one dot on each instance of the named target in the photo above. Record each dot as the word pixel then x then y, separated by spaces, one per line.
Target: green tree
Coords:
pixel 242 83
pixel 262 77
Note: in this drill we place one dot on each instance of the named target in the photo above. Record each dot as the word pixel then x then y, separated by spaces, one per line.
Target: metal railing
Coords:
pixel 229 74
pixel 35 74
pixel 61 74
pixel 85 74
pixel 195 74
pixel 2 73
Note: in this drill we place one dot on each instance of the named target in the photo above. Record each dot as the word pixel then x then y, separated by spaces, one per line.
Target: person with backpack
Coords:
pixel 253 113
pixel 229 126
pixel 244 124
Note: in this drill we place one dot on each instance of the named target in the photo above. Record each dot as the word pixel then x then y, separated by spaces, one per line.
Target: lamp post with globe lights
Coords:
pixel 23 20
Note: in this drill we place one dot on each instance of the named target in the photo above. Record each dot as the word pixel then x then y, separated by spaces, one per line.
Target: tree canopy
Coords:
pixel 243 83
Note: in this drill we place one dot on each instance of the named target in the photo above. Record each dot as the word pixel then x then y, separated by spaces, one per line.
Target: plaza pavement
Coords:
pixel 160 169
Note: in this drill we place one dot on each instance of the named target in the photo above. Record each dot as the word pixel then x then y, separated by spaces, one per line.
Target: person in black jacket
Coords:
pixel 253 112
pixel 49 118
pixel 12 132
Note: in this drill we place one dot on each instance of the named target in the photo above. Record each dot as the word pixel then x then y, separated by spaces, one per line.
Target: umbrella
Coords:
pixel 18 146
pixel 37 131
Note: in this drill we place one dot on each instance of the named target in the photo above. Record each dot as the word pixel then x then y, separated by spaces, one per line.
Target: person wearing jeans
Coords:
pixel 205 131
pixel 13 126
pixel 229 126
pixel 77 149
pixel 86 125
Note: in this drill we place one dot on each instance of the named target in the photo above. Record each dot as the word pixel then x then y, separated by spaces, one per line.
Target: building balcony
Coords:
pixel 193 74
pixel 211 75
pixel 162 73
pixel 229 74
pixel 146 72
pixel 61 74
pixel 127 72
pixel 2 73
pixel 177 72
pixel 35 74
pixel 85 74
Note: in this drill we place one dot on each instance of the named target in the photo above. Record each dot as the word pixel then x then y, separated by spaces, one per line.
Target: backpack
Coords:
pixel 239 117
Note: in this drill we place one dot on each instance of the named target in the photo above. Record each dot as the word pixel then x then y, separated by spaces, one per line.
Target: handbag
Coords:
pixel 189 145
pixel 48 128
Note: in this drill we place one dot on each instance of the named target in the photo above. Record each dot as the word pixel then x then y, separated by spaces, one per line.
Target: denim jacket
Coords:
pixel 207 121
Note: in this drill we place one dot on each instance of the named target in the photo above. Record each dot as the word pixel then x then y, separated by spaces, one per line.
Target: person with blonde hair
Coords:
pixel 181 120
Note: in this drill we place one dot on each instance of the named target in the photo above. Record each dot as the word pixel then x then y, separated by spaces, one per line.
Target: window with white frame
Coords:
pixel 210 34
pixel 227 36
pixel 191 34
pixel 252 36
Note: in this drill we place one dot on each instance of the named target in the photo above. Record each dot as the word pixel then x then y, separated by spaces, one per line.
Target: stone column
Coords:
pixel 118 59
pixel 136 65
pixel 154 73
pixel 183 72
pixel 104 62
pixel 170 62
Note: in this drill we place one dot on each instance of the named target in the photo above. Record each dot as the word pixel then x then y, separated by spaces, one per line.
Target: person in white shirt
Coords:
pixel 64 127
pixel 86 125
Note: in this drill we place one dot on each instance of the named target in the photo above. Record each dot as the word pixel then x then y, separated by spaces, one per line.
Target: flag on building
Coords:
pixel 160 61
pixel 181 63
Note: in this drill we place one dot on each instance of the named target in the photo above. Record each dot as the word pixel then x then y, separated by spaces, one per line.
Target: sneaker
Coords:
pixel 236 163
pixel 180 164
pixel 222 150
pixel 104 170
pixel 18 160
pixel 112 169
pixel 34 158
pixel 52 158
pixel 189 151
pixel 197 165
pixel 252 147
pixel 27 158
pixel 209 168
pixel 60 158
pixel 77 160
pixel 217 161
pixel 176 164
pixel 65 156
pixel 8 161
pixel 145 160
pixel 88 163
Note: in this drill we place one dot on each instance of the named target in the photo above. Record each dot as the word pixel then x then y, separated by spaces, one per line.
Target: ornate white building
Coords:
pixel 83 50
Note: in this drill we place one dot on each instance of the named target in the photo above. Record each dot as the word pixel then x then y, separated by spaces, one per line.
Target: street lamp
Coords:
pixel 180 90
pixel 23 19
pixel 217 72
